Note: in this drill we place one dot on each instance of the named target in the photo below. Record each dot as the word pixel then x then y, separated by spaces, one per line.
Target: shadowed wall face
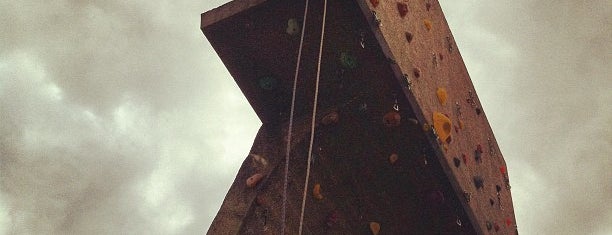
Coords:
pixel 359 181
pixel 365 45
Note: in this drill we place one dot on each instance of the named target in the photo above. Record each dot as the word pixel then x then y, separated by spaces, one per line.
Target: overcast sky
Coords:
pixel 117 117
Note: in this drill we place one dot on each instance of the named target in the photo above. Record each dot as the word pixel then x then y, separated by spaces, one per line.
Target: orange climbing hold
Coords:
pixel 375 228
pixel 393 158
pixel 254 180
pixel 331 118
pixel 442 95
pixel 443 126
pixel 427 24
pixel 316 192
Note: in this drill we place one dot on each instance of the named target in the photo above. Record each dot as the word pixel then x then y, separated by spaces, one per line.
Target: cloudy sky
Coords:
pixel 116 117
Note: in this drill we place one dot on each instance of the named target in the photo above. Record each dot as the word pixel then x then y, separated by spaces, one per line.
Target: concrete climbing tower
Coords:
pixel 401 143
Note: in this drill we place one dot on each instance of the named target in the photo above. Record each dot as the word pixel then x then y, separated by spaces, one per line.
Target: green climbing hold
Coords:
pixel 293 27
pixel 268 83
pixel 348 61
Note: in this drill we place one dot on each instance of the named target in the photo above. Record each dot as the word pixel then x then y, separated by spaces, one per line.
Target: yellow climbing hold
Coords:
pixel 259 160
pixel 426 127
pixel 316 192
pixel 375 228
pixel 427 24
pixel 442 95
pixel 443 126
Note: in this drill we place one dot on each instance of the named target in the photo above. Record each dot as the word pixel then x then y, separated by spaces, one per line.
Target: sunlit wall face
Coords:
pixel 117 117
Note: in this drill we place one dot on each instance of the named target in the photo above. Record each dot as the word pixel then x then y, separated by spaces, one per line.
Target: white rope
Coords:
pixel 314 114
pixel 288 149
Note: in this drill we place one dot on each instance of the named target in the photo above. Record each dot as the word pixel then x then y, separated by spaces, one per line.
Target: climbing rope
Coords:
pixel 314 114
pixel 290 128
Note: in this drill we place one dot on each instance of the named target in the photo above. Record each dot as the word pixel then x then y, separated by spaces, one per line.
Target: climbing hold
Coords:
pixel 427 6
pixel 467 196
pixel 258 159
pixel 461 124
pixel 267 83
pixel 498 188
pixel 426 127
pixel 457 162
pixel 374 3
pixel 442 95
pixel 478 182
pixel 435 197
pixel 413 121
pixel 363 107
pixel 496 226
pixel 332 219
pixel 348 61
pixel 409 37
pixel 434 59
pixel 427 24
pixel 362 40
pixel 293 27
pixel 393 158
pixel 316 192
pixel 443 126
pixel 489 225
pixel 502 169
pixel 261 200
pixel 330 118
pixel 375 228
pixel 508 222
pixel 377 20
pixel 491 147
pixel 478 110
pixel 402 8
pixel 254 180
pixel 478 154
pixel 416 72
pixel 465 159
pixel 491 201
pixel 392 119
pixel 449 44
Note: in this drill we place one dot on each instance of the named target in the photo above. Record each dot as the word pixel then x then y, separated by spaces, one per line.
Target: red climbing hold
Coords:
pixel 479 149
pixel 508 222
pixel 392 119
pixel 374 3
pixel 402 8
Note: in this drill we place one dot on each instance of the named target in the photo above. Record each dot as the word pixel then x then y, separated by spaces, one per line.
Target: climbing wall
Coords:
pixel 402 145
